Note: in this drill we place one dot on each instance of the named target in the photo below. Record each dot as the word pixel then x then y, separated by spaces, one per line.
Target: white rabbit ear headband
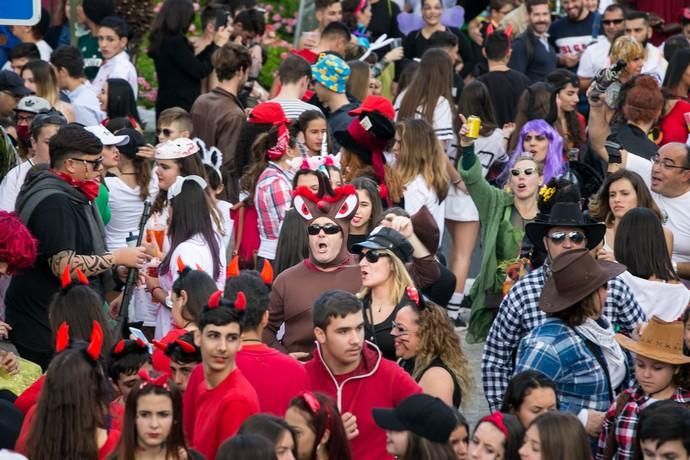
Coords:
pixel 176 188
pixel 211 156
pixel 378 44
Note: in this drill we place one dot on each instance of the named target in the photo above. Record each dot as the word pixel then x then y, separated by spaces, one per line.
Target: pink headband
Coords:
pixel 496 419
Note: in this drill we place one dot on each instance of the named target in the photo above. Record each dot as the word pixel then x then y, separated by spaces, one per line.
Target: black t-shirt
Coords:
pixel 58 225
pixel 633 139
pixel 340 119
pixel 505 88
pixel 384 20
pixel 415 43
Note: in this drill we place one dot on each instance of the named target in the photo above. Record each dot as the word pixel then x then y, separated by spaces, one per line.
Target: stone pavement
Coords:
pixel 475 407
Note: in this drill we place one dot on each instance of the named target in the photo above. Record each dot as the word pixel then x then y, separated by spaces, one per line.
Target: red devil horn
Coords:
pixel 66 278
pixel 490 30
pixel 82 277
pixel 141 343
pixel 160 345
pixel 160 381
pixel 144 374
pixel 62 338
pixel 198 267
pixel 241 301
pixel 186 346
pixel 214 300
pixel 96 343
pixel 119 347
pixel 180 265
pixel 267 273
pixel 233 268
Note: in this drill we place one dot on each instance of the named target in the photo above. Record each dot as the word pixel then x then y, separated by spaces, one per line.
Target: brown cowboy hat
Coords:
pixel 661 341
pixel 575 275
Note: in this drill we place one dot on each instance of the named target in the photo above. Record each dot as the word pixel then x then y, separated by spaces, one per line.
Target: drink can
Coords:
pixel 474 124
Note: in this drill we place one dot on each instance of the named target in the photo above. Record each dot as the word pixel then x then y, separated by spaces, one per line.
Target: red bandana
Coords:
pixel 90 188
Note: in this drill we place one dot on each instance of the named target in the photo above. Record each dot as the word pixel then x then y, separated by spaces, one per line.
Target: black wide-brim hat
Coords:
pixel 369 132
pixel 565 215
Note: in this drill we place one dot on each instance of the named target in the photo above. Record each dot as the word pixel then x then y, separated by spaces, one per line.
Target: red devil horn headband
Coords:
pixel 66 277
pixel 96 342
pixel 267 273
pixel 146 379
pixel 233 269
pixel 62 337
pixel 186 346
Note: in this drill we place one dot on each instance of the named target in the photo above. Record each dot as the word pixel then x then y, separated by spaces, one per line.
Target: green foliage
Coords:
pixel 275 55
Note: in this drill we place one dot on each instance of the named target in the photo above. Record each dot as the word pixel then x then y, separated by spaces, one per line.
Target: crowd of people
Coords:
pixel 285 272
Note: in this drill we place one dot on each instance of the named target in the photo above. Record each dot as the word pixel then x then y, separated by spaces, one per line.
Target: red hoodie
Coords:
pixel 377 382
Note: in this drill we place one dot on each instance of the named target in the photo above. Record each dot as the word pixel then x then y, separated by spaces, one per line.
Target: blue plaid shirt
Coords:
pixel 555 350
pixel 519 313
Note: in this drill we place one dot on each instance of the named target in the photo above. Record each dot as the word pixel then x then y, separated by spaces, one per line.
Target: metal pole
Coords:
pixel 300 21
pixel 73 21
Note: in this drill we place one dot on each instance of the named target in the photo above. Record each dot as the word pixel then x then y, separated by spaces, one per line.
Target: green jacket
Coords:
pixel 499 240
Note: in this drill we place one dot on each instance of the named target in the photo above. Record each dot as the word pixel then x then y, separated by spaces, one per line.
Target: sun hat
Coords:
pixel 565 214
pixel 661 341
pixel 422 414
pixel 386 238
pixel 105 136
pixel 332 72
pixel 173 150
pixel 575 275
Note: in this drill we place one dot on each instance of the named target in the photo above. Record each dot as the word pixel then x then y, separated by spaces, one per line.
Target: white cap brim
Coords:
pixel 106 137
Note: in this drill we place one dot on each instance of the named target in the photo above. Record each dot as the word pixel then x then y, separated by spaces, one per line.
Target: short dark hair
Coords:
pixel 210 13
pixel 96 10
pixel 230 59
pixel 336 29
pixel 613 7
pixel 496 5
pixel 70 59
pixel 664 421
pixel 25 50
pixel 443 39
pixel 252 20
pixel 634 14
pixel 520 386
pixel 221 316
pixel 116 23
pixel 529 4
pixel 178 354
pixel 673 45
pixel 496 45
pixel 71 139
pixel 323 4
pixel 293 68
pixel 335 303
pixel 128 361
pixel 255 291
pixel 199 286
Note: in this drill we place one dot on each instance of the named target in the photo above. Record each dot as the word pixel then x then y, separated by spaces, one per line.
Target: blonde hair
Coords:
pixel 352 167
pixel 401 279
pixel 626 48
pixel 438 339
pixel 422 153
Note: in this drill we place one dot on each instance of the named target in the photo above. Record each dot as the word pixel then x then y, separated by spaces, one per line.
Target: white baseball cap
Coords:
pixel 106 137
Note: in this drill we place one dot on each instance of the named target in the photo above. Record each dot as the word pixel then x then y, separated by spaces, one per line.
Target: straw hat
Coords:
pixel 661 341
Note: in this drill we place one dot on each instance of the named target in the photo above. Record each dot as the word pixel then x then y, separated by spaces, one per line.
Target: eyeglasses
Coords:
pixel 667 163
pixel 165 131
pixel 515 172
pixel 372 256
pixel 609 22
pixel 95 163
pixel 559 237
pixel 399 331
pixel 328 229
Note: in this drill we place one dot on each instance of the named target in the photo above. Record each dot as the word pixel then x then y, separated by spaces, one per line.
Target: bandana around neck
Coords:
pixel 89 188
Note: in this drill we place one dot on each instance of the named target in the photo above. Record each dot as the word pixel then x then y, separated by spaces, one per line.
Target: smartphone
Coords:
pixel 140 335
pixel 222 19
pixel 614 151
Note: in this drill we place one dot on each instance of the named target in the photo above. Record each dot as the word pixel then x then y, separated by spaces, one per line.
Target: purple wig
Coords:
pixel 555 163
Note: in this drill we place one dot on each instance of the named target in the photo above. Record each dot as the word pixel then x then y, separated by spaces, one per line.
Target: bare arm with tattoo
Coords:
pixel 92 265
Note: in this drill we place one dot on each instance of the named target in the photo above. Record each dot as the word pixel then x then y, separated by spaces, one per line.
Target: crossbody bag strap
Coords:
pixel 599 356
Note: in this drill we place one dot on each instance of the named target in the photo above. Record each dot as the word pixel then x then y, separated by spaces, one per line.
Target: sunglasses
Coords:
pixel 95 163
pixel 328 229
pixel 165 131
pixel 608 22
pixel 559 237
pixel 515 172
pixel 372 256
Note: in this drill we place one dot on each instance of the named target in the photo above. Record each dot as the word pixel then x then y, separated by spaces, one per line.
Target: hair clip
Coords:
pixel 161 381
pixel 267 273
pixel 62 337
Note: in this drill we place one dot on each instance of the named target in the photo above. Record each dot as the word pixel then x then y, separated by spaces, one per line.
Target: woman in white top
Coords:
pixel 128 191
pixel 640 246
pixel 421 164
pixel 622 191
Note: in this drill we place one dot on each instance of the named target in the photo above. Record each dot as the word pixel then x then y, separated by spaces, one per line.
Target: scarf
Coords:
pixel 90 188
pixel 602 334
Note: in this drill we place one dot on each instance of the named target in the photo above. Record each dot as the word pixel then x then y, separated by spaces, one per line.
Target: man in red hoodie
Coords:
pixel 354 373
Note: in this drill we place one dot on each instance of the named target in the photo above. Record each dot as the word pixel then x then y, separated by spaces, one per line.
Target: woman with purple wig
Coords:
pixel 541 141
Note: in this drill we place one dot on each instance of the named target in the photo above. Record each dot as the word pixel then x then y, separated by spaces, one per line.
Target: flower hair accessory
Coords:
pixel 546 193
pixel 161 381
pixel 176 188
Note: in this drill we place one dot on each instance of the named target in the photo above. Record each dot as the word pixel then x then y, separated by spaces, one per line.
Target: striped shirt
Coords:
pixel 293 108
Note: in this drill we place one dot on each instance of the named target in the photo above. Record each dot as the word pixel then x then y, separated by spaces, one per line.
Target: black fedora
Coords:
pixel 565 215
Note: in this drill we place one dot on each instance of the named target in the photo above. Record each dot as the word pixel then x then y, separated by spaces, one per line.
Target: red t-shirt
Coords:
pixel 29 397
pixel 219 411
pixel 261 364
pixel 673 126
pixel 159 360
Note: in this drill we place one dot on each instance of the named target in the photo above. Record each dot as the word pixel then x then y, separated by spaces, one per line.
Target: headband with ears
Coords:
pixel 266 274
pixel 121 346
pixel 161 381
pixel 183 344
pixel 66 278
pixel 216 300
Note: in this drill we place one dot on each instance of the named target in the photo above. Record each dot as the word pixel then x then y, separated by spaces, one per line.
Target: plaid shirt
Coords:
pixel 555 350
pixel 625 424
pixel 272 199
pixel 519 313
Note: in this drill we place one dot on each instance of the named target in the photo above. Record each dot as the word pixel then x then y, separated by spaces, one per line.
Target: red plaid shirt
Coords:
pixel 272 199
pixel 625 424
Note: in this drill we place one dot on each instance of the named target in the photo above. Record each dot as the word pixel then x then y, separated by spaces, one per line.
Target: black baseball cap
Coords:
pixel 422 414
pixel 386 238
pixel 136 140
pixel 11 82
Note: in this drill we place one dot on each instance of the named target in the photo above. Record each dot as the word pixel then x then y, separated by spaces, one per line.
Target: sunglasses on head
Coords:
pixel 328 229
pixel 372 256
pixel 515 172
pixel 574 236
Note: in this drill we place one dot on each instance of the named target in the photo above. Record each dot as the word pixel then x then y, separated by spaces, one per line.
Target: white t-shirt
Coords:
pixel 490 150
pixel 641 166
pixel 676 213
pixel 655 64
pixel 119 66
pixel 223 208
pixel 126 207
pixel 442 123
pixel 11 184
pixel 595 58
pixel 665 300
pixel 417 194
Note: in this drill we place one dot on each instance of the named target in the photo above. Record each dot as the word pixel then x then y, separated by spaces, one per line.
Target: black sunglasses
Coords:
pixel 165 131
pixel 559 237
pixel 95 163
pixel 515 172
pixel 372 256
pixel 608 22
pixel 328 229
